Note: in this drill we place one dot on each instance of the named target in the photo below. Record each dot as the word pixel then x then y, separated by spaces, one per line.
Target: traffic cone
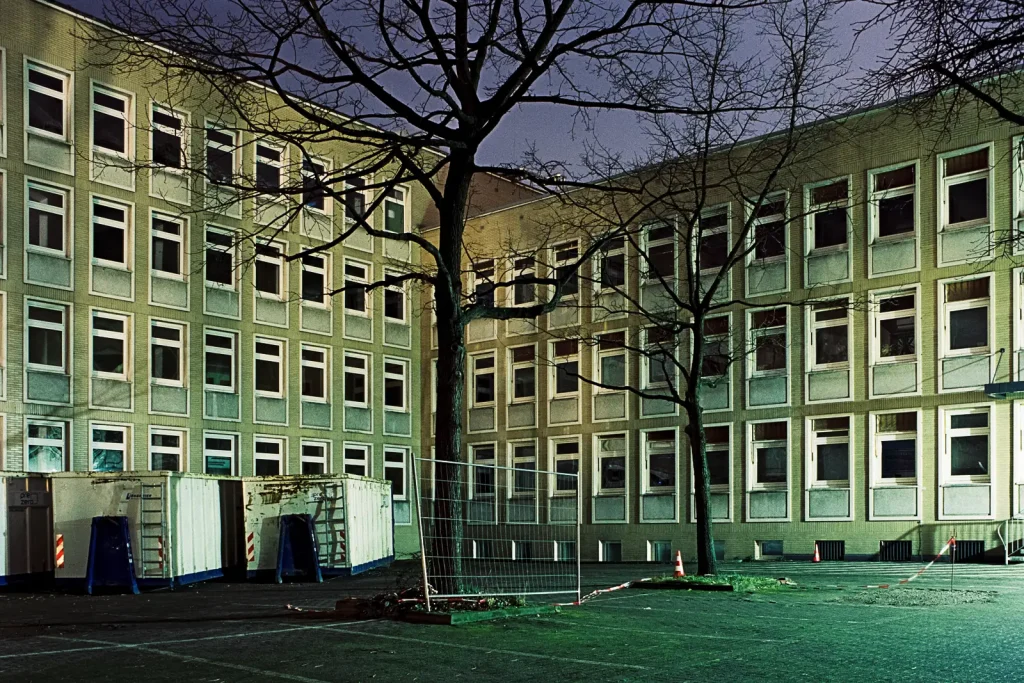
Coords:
pixel 679 572
pixel 817 555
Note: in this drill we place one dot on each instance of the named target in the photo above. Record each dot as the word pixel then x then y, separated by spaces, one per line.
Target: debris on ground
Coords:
pixel 914 597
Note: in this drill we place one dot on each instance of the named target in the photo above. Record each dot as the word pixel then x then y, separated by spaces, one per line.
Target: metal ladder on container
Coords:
pixel 153 526
pixel 1011 534
pixel 329 525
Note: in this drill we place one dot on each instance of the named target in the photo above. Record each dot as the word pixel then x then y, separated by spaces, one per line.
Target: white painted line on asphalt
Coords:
pixel 674 634
pixel 620 597
pixel 487 650
pixel 710 614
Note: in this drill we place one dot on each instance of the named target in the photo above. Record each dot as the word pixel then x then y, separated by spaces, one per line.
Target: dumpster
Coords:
pixel 26 529
pixel 174 524
pixel 349 516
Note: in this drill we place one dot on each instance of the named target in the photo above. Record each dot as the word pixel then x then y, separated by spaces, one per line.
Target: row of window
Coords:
pixel 49 105
pixel 48 349
pixel 47 449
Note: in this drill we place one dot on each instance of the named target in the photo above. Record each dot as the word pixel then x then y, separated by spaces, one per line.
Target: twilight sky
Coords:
pixel 551 129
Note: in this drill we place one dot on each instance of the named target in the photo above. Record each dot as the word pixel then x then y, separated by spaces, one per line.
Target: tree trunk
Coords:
pixel 707 563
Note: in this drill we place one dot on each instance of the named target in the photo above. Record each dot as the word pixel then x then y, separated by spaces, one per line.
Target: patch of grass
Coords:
pixel 739 582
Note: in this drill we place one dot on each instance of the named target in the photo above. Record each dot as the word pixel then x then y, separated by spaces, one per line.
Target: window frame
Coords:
pixel 874 221
pixel 323 366
pixel 754 333
pixel 752 485
pixel 477 463
pixel 557 263
pixel 523 266
pixel 181 239
pixel 126 445
pixel 511 492
pixel 324 271
pixel 235 338
pixel 719 489
pixel 366 373
pixel 324 444
pixel 65 443
pixel 400 290
pixel 127 116
pixel 875 316
pixel 646 487
pixel 672 380
pixel 813 326
pixel 281 165
pixel 181 452
pixel 597 456
pixel 876 438
pixel 67 223
pixel 126 338
pixel 403 377
pixel 182 346
pixel 182 135
pixel 327 167
pixel 475 373
pixel 234 150
pixel 751 206
pixel 403 202
pixel 66 339
pixel 361 282
pixel 282 363
pixel 647 276
pixel 366 461
pixel 67 99
pixel 365 193
pixel 232 252
pixel 513 366
pixel 127 228
pixel 813 440
pixel 234 454
pixel 600 354
pixel 282 454
pixel 947 307
pixel 812 209
pixel 946 182
pixel 944 444
pixel 554 457
pixel 702 233
pixel 403 466
pixel 553 392
pixel 282 268
pixel 617 250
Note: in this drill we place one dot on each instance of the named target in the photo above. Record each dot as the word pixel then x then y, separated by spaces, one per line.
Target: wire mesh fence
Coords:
pixel 490 530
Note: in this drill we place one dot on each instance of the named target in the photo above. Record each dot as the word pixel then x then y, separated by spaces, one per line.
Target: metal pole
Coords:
pixel 579 519
pixel 952 556
pixel 419 522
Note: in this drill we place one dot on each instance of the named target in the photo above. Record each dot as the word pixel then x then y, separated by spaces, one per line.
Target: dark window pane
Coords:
pixel 896 215
pixel 45 347
pixel 267 468
pixel 45 229
pixel 313 286
pixel 524 382
pixel 313 382
pixel 166 149
pixel 312 467
pixel 613 270
pixel 831 345
pixel 829 228
pixel 108 243
pixel 566 377
pixel 218 370
pixel 166 361
pixel 613 473
pixel 219 265
pixel 45 112
pixel 968 455
pixel 107 355
pixel 769 240
pixel 267 277
pixel 714 250
pixel 108 131
pixel 968 421
pixel 834 462
pixel 219 165
pixel 968 329
pixel 164 461
pixel 968 201
pixel 394 392
pixel 662 469
pixel 718 467
pixel 899 459
pixel 166 257
pixel 394 304
pixel 661 261
pixel 771 465
pixel 355 387
pixel 565 479
pixel 896 337
pixel 770 352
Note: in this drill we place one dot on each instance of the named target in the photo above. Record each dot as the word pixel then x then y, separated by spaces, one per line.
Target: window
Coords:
pixel 47 446
pixel 49 100
pixel 828 220
pixel 524 468
pixel 314 457
pixel 659 252
pixel 314 280
pixel 523 293
pixel 355 380
pixel 768 338
pixel 829 341
pixel 483 283
pixel 357 459
pixel 357 276
pixel 611 551
pixel 717 347
pixel 895 326
pixel 269 167
pixel 611 464
pixel 108 448
pixel 830 450
pixel 313 191
pixel 965 316
pixel 965 189
pixel 483 379
pixel 659 460
pixel 611 361
pixel 220 259
pixel 566 257
pixel 219 352
pixel 221 148
pixel 717 443
pixel 268 458
pixel 168 138
pixel 47 219
pixel 46 334
pixel 395 470
pixel 483 469
pixel 966 444
pixel 523 376
pixel 313 371
pixel 769 229
pixel 267 367
pixel 566 367
pixel 219 454
pixel 394 210
pixel 895 447
pixel 166 353
pixel 770 445
pixel 357 199
pixel 110 233
pixel 111 121
pixel 659 357
pixel 567 466
pixel 394 300
pixel 110 345
pixel 395 372
pixel 168 245
pixel 167 450
pixel 269 267
pixel 613 264
pixel 892 202
pixel 713 250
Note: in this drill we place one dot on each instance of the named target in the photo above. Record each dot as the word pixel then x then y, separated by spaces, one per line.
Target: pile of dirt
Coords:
pixel 915 597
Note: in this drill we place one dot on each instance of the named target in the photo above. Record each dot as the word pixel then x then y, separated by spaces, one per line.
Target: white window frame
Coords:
pixel 127 346
pixel 403 202
pixel 754 334
pixel 402 465
pixel 181 451
pixel 1018 324
pixel 813 325
pixel 645 364
pixel 1016 192
pixel 281 164
pixel 716 489
pixel 323 366
pixel 522 266
pixel 324 459
pixel 613 247
pixel 363 280
pixel 702 232
pixel 554 457
pixel 127 117
pixel 181 240
pixel 282 268
pixel 65 212
pixel 752 485
pixel 600 354
pixel 400 290
pixel 947 433
pixel 367 195
pixel 875 440
pixel 127 231
pixel 282 453
pixel 232 252
pixel 3 193
pixel 366 374
pixel 597 456
pixel 482 273
pixel 514 365
pixel 324 270
pixel 559 261
pixel 645 465
pixel 233 336
pixel 282 365
pixel 513 462
pixel 181 134
pixel 731 360
pixel 3 365
pixel 476 462
pixel 64 442
pixel 67 97
pixel 876 316
pixel 181 345
pixel 874 223
pixel 126 445
pixel 751 205
pixel 646 243
pixel 366 461
pixel 232 454
pixel 66 340
pixel 813 209
pixel 324 163
pixel 556 360
pixel 234 149
pixel 3 108
pixel 946 308
pixel 945 182
pixel 403 378
pixel 474 373
pixel 814 440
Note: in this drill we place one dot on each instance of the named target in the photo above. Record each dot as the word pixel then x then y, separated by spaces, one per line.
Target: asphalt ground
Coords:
pixel 815 631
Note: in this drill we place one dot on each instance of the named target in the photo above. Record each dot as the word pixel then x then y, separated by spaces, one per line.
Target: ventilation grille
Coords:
pixel 895 551
pixel 970 551
pixel 832 550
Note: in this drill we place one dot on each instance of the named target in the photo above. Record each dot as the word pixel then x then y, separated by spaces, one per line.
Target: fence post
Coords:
pixel 419 523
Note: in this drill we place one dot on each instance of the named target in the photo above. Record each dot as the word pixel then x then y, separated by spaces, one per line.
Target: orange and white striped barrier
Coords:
pixel 58 554
pixel 951 543
pixel 250 547
pixel 342 551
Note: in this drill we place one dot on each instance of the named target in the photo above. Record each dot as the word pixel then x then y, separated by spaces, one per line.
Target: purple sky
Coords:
pixel 551 129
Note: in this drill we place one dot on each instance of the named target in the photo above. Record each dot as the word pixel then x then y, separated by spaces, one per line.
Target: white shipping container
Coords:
pixel 351 518
pixel 174 522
